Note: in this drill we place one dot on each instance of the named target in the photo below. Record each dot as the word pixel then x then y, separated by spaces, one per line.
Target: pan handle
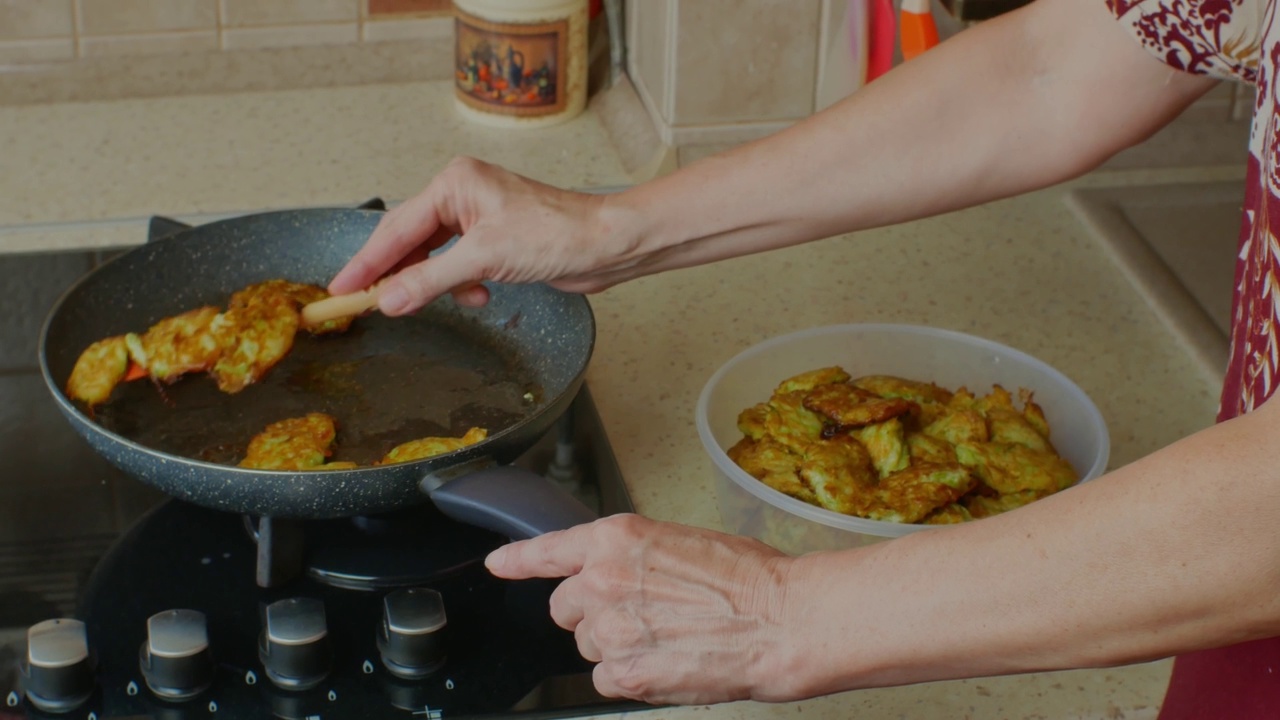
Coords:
pixel 509 500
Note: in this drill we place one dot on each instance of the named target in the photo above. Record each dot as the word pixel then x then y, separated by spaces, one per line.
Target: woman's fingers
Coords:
pixel 472 296
pixel 408 290
pixel 429 218
pixel 389 243
pixel 510 230
pixel 556 554
pixel 566 604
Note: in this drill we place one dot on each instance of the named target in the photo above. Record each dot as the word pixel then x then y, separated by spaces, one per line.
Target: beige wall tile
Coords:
pixel 150 44
pixel 18 52
pixel 239 13
pixel 122 17
pixel 435 28
pixel 651 51
pixel 35 18
pixel 745 60
pixel 839 69
pixel 262 37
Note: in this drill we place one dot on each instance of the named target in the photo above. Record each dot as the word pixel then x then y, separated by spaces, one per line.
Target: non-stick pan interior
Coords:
pixel 386 381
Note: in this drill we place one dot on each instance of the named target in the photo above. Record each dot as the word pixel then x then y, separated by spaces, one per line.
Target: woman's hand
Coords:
pixel 672 614
pixel 512 230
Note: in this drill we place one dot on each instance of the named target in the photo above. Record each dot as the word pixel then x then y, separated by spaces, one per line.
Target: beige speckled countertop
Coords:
pixel 1023 272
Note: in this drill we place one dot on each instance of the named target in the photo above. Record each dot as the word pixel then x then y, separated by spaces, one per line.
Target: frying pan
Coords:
pixel 512 367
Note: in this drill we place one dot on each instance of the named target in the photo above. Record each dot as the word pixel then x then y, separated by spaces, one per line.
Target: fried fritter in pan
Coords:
pixel 177 345
pixel 300 294
pixel 98 370
pixel 431 446
pixel 252 337
pixel 237 347
pixel 294 444
pixel 306 443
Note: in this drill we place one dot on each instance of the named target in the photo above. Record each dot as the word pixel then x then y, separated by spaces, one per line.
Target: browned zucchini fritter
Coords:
pixel 900 450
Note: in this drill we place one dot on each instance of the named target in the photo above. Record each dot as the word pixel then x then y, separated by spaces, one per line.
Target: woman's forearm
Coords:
pixel 1033 98
pixel 1175 552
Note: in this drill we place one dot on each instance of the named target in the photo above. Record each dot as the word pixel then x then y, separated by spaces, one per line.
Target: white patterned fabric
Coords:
pixel 1237 40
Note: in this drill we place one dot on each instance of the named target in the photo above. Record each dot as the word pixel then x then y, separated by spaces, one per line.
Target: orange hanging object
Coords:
pixel 917 31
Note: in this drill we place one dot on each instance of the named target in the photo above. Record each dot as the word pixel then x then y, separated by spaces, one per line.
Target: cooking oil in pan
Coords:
pixel 385 382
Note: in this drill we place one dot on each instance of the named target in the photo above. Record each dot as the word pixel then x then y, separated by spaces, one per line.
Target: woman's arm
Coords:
pixel 1029 99
pixel 1032 98
pixel 1175 552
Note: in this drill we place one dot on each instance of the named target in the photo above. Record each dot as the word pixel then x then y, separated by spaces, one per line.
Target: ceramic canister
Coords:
pixel 520 63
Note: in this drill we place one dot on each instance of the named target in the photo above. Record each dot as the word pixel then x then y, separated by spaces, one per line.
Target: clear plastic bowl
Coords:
pixel 950 359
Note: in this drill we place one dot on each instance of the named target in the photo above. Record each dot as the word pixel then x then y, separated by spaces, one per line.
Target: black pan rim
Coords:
pixel 463 456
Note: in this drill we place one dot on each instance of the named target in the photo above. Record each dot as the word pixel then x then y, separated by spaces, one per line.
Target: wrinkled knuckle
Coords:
pixel 611 580
pixel 630 681
pixel 559 606
pixel 412 280
pixel 464 165
pixel 620 628
pixel 479 265
pixel 622 528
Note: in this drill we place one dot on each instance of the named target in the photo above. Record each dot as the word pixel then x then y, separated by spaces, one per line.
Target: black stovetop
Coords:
pixel 503 655
pixel 79 540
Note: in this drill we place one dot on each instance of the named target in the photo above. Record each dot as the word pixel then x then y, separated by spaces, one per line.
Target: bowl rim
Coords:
pixel 853 523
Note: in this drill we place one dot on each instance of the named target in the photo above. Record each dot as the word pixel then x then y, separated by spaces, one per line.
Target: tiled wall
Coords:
pixel 82 50
pixel 725 71
pixel 704 66
pixel 39 31
pixel 714 71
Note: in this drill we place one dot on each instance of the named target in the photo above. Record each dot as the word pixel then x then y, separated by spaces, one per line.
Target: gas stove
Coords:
pixel 189 612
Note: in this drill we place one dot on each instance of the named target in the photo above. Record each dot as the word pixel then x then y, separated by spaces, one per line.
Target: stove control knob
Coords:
pixel 58 672
pixel 175 660
pixel 294 646
pixel 410 640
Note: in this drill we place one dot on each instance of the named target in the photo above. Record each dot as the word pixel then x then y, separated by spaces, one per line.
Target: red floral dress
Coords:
pixel 1236 40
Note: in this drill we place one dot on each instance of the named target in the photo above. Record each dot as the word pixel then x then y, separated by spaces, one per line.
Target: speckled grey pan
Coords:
pixel 512 367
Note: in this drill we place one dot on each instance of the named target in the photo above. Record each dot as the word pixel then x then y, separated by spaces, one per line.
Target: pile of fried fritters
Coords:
pixel 899 450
